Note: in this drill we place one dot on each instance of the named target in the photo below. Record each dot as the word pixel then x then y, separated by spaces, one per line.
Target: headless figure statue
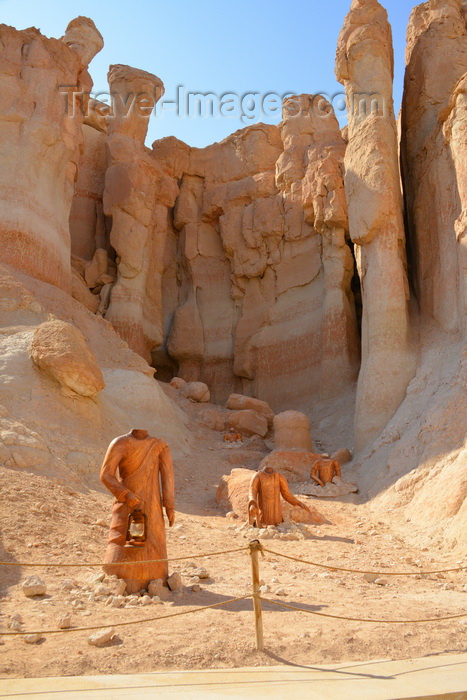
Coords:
pixel 264 506
pixel 324 470
pixel 138 470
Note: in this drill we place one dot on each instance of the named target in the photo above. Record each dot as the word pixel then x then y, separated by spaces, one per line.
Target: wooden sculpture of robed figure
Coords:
pixel 264 506
pixel 138 470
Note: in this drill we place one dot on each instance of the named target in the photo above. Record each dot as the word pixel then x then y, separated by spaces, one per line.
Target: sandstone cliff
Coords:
pixel 291 263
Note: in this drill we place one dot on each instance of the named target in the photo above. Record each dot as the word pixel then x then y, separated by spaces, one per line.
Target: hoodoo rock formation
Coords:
pixel 433 148
pixel 41 135
pixel 364 64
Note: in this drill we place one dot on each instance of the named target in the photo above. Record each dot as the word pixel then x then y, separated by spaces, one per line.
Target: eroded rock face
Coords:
pixel 136 196
pixel 433 157
pixel 40 145
pixel 248 314
pixel 364 65
pixel 60 350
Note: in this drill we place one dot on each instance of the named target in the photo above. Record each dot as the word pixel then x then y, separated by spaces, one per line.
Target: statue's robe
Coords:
pixel 144 467
pixel 266 489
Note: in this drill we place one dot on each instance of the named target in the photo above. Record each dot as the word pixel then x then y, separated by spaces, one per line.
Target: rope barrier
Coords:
pixel 360 619
pixel 124 563
pixel 358 571
pixel 129 623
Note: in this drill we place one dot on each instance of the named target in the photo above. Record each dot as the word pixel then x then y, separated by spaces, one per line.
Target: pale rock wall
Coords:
pixel 364 65
pixel 433 156
pixel 40 145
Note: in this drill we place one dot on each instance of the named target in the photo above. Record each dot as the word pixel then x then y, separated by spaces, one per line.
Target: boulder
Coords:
pixel 197 391
pixel 174 581
pixel 292 431
pixel 343 456
pixel 101 637
pixel 60 350
pixel 238 402
pixel 248 422
pixel 213 419
pixel 178 383
pixel 33 586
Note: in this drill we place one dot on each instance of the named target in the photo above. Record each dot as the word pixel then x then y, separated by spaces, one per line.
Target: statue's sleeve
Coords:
pixel 285 492
pixel 167 478
pixel 254 489
pixel 112 459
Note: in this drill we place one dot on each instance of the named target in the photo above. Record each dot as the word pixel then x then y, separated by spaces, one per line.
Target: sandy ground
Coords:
pixel 46 521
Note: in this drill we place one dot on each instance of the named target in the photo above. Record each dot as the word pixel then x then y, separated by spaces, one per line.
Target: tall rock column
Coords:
pixel 455 133
pixel 364 65
pixel 436 58
pixel 40 134
pixel 136 196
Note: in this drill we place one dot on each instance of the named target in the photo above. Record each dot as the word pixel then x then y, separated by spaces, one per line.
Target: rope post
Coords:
pixel 256 547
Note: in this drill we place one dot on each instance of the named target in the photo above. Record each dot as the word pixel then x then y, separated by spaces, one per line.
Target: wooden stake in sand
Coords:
pixel 255 548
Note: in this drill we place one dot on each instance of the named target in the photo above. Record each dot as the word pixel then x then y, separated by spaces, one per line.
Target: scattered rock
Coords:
pixel 178 383
pixel 381 581
pixel 32 638
pixel 15 625
pixel 174 581
pixel 196 588
pixel 371 578
pixel 101 637
pixel 238 402
pixel 157 588
pixel 64 621
pixel 248 422
pixel 201 573
pixel 197 391
pixel 33 586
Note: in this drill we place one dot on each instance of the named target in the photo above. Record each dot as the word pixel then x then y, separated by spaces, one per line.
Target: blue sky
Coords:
pixel 246 46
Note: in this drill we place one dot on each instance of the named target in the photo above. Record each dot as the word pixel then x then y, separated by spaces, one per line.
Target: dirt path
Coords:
pixel 46 521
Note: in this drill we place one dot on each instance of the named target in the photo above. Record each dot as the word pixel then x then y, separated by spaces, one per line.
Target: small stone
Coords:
pixel 67 584
pixel 120 588
pixel 33 586
pixel 101 590
pixel 64 621
pixel 156 599
pixel 201 573
pixel 101 637
pixel 16 617
pixel 156 587
pixel 31 638
pixel 281 591
pixel 174 581
pixel 15 625
pixel 371 578
pixel 264 589
pixel 101 522
pixel 196 588
pixel 381 581
pixel 94 579
pixel 145 600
